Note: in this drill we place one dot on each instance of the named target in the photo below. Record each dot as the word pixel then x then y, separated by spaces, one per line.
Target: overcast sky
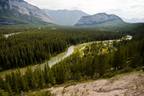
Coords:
pixel 124 8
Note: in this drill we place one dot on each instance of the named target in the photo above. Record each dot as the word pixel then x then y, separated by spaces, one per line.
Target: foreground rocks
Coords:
pixel 131 84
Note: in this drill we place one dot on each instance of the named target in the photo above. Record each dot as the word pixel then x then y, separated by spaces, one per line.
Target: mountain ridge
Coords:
pixel 100 18
pixel 19 11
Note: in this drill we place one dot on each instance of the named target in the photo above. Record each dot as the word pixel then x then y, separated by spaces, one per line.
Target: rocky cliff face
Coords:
pixel 100 18
pixel 20 9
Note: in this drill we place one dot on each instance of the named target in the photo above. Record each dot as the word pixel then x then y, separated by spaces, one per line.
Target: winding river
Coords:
pixel 58 58
pixel 11 34
pixel 61 57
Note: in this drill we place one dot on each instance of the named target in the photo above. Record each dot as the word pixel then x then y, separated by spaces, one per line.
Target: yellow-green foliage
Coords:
pixel 39 93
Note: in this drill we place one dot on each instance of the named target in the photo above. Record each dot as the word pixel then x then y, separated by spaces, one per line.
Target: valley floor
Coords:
pixel 128 84
pixel 58 58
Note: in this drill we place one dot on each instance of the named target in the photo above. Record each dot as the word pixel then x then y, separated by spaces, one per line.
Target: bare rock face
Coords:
pixel 27 9
pixel 99 18
pixel 122 85
pixel 20 8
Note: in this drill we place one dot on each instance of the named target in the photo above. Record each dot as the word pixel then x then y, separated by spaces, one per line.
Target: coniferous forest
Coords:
pixel 34 46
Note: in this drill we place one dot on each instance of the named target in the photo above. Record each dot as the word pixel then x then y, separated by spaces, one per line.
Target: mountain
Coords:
pixel 100 19
pixel 65 17
pixel 19 11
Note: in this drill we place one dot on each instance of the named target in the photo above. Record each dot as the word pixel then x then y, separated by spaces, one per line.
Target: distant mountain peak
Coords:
pixel 101 13
pixel 65 17
pixel 99 18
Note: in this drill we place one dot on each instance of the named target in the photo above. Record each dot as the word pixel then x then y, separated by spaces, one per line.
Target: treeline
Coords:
pixel 33 46
pixel 128 56
pixel 16 82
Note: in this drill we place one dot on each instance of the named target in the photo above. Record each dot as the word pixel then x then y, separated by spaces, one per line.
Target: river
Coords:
pixel 11 34
pixel 58 58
